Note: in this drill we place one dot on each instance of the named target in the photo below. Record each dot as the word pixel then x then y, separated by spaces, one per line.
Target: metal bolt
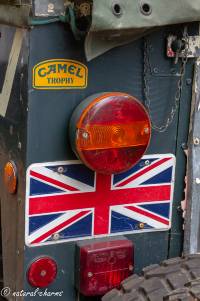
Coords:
pixel 130 267
pixel 198 181
pixel 60 169
pixel 188 81
pixel 184 146
pixel 155 70
pixel 141 225
pixel 147 162
pixel 43 273
pixel 19 145
pixel 146 130
pixel 85 135
pixel 56 236
pixel 85 9
pixel 196 141
pixel 90 274
pixel 50 7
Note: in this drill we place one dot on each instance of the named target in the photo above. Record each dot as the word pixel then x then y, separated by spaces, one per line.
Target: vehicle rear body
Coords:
pixel 35 135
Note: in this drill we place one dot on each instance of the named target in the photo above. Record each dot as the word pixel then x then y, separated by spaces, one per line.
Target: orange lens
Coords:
pixel 111 132
pixel 113 136
pixel 10 177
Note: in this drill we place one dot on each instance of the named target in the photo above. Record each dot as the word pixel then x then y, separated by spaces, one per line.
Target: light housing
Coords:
pixel 110 132
pixel 42 272
pixel 103 265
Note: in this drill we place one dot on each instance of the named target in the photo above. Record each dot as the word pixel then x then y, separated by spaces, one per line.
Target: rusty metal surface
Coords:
pixel 191 48
pixel 15 2
pixel 14 15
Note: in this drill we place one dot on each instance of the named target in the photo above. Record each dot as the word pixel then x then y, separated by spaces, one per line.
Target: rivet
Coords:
pixel 196 141
pixel 43 273
pixel 19 145
pixel 198 181
pixel 60 169
pixel 90 274
pixel 50 7
pixel 85 135
pixel 56 236
pixel 141 225
pixel 184 146
pixel 188 81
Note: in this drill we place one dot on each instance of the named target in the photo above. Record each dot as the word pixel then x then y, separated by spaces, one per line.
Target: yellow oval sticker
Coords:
pixel 60 74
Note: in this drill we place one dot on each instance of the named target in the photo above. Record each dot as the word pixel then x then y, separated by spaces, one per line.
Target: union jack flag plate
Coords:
pixel 66 201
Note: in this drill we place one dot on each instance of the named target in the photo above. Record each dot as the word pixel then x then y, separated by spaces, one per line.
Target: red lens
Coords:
pixel 112 133
pixel 104 265
pixel 42 272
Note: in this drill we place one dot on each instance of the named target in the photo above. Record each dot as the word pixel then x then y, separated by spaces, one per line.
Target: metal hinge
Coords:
pixel 176 47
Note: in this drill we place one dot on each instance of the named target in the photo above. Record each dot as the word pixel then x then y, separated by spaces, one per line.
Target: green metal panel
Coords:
pixel 48 114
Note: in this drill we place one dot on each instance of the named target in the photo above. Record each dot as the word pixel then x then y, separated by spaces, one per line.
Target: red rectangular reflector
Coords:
pixel 102 265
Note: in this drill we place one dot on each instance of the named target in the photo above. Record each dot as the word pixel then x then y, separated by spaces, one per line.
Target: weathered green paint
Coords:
pixel 39 121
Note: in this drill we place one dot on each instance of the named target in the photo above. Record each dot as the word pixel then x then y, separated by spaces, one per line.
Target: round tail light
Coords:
pixel 42 272
pixel 110 132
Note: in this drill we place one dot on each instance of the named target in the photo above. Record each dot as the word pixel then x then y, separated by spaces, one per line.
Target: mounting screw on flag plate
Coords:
pixel 71 204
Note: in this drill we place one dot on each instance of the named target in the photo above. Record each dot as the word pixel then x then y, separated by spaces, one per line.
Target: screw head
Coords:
pixel 198 181
pixel 147 162
pixel 43 273
pixel 196 141
pixel 188 81
pixel 90 274
pixel 19 145
pixel 85 135
pixel 141 225
pixel 56 236
pixel 60 169
pixel 50 6
pixel 184 146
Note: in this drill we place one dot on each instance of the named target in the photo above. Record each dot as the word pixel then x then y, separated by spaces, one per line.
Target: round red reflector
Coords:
pixel 110 132
pixel 42 272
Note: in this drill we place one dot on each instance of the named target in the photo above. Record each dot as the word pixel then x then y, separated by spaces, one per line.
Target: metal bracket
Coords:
pixel 49 8
pixel 192 220
pixel 193 47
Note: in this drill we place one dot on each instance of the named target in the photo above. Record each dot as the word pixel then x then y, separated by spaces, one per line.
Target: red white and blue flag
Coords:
pixel 66 201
